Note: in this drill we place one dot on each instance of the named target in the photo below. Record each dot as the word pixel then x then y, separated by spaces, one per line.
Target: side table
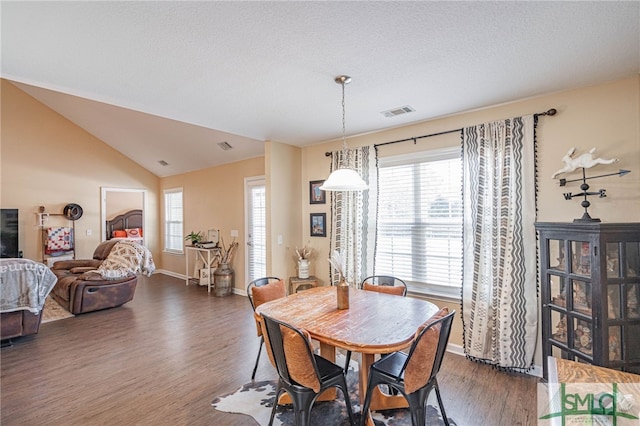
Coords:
pixel 208 256
pixel 295 283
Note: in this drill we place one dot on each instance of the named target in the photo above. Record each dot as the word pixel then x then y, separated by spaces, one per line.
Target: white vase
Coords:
pixel 303 268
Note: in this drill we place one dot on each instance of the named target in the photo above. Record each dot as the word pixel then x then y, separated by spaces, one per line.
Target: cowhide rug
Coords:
pixel 256 400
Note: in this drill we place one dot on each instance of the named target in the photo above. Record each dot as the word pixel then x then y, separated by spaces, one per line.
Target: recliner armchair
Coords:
pixel 80 291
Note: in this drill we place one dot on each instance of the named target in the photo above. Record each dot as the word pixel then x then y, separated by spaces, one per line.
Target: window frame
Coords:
pixel 454 152
pixel 166 222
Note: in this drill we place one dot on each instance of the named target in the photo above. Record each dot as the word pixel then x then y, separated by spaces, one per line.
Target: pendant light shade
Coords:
pixel 344 178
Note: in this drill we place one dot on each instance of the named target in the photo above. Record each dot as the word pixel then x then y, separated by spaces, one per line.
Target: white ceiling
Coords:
pixel 170 80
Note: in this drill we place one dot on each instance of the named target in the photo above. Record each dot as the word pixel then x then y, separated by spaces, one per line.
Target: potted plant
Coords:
pixel 194 237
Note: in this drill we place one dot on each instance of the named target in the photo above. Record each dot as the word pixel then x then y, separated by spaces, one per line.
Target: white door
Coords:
pixel 256 231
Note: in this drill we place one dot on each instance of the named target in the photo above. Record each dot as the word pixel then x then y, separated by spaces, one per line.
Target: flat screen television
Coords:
pixel 9 233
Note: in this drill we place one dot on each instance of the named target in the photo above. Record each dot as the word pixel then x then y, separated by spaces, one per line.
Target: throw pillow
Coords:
pixel 133 233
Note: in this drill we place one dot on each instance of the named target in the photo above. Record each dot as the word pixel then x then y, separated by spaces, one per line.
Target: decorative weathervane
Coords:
pixel 584 161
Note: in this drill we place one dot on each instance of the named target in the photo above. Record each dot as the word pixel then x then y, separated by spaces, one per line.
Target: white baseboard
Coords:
pixel 459 350
pixel 171 274
pixel 455 349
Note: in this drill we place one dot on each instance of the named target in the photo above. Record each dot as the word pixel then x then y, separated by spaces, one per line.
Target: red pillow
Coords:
pixel 119 234
pixel 134 232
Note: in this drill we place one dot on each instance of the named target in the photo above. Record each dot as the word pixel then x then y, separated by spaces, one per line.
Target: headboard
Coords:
pixel 127 220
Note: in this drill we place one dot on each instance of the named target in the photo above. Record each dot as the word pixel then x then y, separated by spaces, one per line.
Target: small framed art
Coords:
pixel 316 195
pixel 318 224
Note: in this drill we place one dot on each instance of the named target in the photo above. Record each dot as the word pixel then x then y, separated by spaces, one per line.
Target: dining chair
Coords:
pixel 302 374
pixel 263 290
pixel 414 374
pixel 385 284
pixel 381 284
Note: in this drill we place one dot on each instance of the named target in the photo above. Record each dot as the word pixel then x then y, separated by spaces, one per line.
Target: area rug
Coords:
pixel 256 399
pixel 53 311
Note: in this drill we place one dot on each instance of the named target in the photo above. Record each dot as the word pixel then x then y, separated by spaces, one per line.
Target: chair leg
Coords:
pixel 442 412
pixel 302 403
pixel 275 403
pixel 255 368
pixel 347 401
pixel 417 401
pixel 364 411
pixel 346 363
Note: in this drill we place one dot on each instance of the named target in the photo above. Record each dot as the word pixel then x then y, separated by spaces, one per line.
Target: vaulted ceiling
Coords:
pixel 171 80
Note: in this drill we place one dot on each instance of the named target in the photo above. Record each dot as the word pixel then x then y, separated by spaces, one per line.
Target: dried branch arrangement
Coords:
pixel 227 253
pixel 339 262
pixel 304 252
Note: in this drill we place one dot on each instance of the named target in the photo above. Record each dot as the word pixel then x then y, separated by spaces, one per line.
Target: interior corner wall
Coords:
pixel 213 198
pixel 284 189
pixel 46 160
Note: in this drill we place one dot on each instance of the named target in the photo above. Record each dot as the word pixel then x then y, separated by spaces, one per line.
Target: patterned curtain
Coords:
pixel 499 291
pixel 353 218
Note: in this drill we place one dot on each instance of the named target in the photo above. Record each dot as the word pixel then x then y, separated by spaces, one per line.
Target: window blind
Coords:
pixel 257 224
pixel 419 234
pixel 173 220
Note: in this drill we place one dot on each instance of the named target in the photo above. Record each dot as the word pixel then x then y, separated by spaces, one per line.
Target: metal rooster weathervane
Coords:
pixel 584 161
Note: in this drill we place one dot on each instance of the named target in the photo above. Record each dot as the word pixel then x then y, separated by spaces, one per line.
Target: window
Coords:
pixel 256 197
pixel 173 220
pixel 419 234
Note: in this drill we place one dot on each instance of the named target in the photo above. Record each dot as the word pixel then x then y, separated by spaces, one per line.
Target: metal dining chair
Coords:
pixel 414 374
pixel 263 290
pixel 302 374
pixel 381 284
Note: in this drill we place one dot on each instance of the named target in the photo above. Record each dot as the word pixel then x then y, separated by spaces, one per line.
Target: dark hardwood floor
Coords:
pixel 162 358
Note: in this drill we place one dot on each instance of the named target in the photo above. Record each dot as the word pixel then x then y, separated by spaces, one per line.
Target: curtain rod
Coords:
pixel 550 112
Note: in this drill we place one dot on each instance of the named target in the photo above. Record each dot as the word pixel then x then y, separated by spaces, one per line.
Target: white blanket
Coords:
pixel 127 258
pixel 24 285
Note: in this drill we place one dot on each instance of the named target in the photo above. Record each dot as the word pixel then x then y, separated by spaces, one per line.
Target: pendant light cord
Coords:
pixel 345 161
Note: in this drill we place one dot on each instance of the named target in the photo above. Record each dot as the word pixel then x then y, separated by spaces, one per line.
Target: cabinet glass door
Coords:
pixel 581 259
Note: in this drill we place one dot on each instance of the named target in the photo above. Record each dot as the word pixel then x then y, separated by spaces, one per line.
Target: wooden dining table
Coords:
pixel 375 323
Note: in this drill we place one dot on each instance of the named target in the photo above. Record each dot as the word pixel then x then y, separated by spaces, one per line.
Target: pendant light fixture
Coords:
pixel 344 178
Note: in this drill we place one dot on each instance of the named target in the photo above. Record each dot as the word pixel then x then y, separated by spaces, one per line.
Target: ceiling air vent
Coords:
pixel 225 146
pixel 397 111
pixel 163 163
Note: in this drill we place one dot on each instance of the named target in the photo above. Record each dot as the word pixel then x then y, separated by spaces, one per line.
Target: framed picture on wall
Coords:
pixel 318 224
pixel 316 196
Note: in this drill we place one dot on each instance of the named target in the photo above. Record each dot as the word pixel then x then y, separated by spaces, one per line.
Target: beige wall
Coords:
pixel 214 199
pixel 48 161
pixel 605 116
pixel 119 202
pixel 284 186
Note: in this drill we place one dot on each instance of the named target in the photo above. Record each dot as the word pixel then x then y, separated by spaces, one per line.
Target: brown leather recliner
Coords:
pixel 80 291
